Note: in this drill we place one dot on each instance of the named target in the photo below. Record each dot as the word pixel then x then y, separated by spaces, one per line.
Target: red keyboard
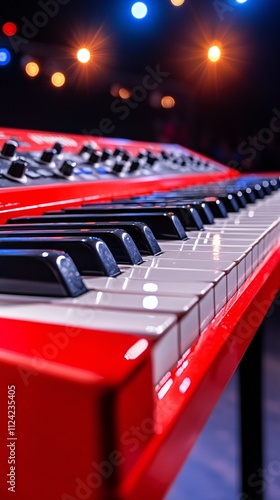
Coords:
pixel 133 277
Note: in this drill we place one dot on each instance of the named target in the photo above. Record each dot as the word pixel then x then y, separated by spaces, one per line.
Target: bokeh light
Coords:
pixel 167 102
pixel 124 93
pixel 32 69
pixel 58 79
pixel 5 56
pixel 9 29
pixel 177 3
pixel 139 10
pixel 241 1
pixel 114 90
pixel 214 53
pixel 83 55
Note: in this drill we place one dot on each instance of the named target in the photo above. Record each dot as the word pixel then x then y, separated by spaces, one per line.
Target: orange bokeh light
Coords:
pixel 32 69
pixel 167 102
pixel 177 3
pixel 58 79
pixel 124 93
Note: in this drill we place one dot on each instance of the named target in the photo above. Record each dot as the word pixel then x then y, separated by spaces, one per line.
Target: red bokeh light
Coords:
pixel 9 29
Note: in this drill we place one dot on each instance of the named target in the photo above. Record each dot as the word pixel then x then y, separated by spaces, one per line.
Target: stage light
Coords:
pixel 5 57
pixel 83 55
pixel 32 69
pixel 167 102
pixel 241 1
pixel 214 53
pixel 177 3
pixel 139 10
pixel 9 29
pixel 58 79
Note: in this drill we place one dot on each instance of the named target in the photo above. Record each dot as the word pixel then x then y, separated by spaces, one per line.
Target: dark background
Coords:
pixel 218 106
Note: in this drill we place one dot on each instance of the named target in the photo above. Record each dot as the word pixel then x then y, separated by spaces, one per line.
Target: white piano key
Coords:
pixel 185 308
pixel 215 250
pixel 209 257
pixel 218 278
pixel 204 291
pixel 227 266
pixel 163 329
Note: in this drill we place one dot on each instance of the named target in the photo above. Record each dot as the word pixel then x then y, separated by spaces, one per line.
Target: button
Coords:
pixel 45 173
pixel 32 174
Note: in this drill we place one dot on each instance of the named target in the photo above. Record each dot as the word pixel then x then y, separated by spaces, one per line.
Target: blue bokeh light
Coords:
pixel 139 10
pixel 241 1
pixel 5 57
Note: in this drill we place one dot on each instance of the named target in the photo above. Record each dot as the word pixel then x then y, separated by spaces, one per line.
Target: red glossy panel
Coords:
pixel 76 396
pixel 199 380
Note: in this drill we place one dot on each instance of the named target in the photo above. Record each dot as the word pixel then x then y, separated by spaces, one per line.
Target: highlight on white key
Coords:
pixel 150 302
pixel 137 349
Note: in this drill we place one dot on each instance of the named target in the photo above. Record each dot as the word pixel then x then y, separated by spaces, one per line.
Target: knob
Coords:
pixel 66 169
pixel 106 153
pixel 179 160
pixel 16 171
pixel 134 166
pixel 118 167
pixel 9 149
pixel 164 155
pixel 58 147
pixel 118 152
pixel 125 156
pixel 85 149
pixel 151 160
pixel 142 154
pixel 95 157
pixel 47 156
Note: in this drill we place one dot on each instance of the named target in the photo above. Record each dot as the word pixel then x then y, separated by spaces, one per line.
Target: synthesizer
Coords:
pixel 133 277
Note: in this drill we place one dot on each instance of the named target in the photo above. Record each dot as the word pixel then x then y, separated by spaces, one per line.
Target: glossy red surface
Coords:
pixel 199 379
pixel 27 201
pixel 90 425
pixel 76 402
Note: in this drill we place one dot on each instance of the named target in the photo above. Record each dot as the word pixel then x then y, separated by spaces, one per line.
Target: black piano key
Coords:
pixel 273 184
pixel 204 212
pixel 217 208
pixel 240 198
pixel 266 187
pixel 229 202
pixel 119 242
pixel 39 272
pixel 90 255
pixel 167 203
pixel 121 245
pixel 164 226
pixel 249 195
pixel 258 190
pixel 188 217
pixel 141 234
